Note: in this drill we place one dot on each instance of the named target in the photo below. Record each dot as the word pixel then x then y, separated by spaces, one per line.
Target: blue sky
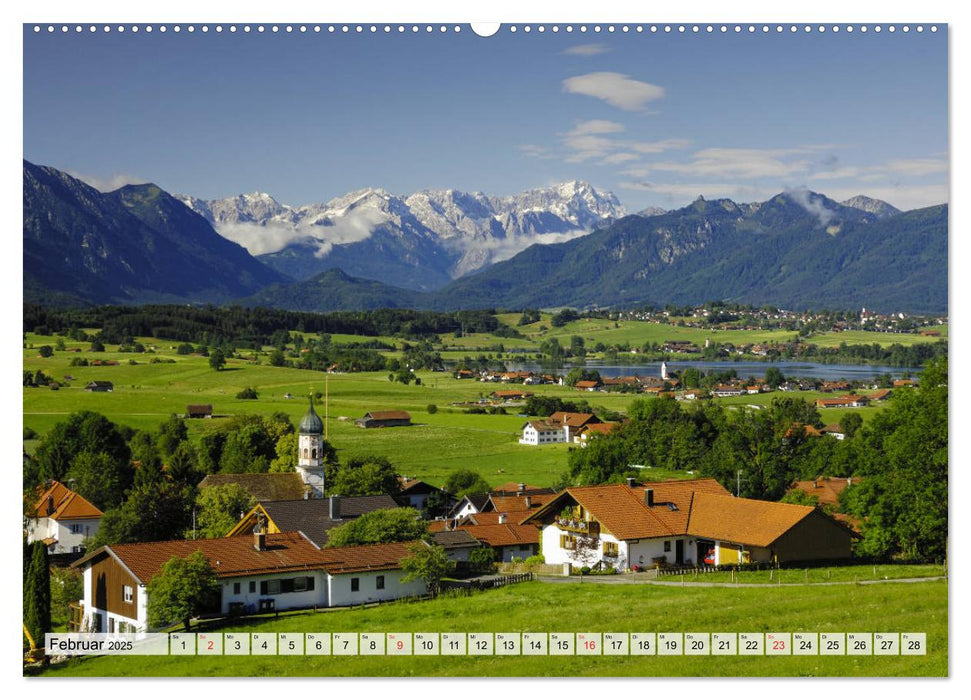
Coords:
pixel 656 118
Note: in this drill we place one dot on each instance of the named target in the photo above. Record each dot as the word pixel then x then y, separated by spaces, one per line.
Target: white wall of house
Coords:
pixel 282 601
pixel 466 509
pixel 340 593
pixel 532 436
pixel 70 534
pixel 629 553
pixel 643 552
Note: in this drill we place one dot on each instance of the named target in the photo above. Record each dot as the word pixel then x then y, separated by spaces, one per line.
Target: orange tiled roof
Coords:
pixel 743 520
pixel 58 502
pixel 827 489
pixel 574 420
pixel 517 504
pixel 503 535
pixel 622 511
pixel 598 428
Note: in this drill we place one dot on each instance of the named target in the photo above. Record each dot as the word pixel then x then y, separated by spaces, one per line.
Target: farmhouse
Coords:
pixel 202 410
pixel 559 427
pixel 587 385
pixel 99 386
pixel 725 390
pixel 414 493
pixel 383 419
pixel 314 517
pixel 848 401
pixel 681 523
pixel 263 487
pixel 541 432
pixel 469 504
pixel 265 572
pixel 62 519
pixel 594 430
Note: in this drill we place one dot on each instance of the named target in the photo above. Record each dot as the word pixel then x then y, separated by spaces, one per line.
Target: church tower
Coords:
pixel 310 463
pixel 664 371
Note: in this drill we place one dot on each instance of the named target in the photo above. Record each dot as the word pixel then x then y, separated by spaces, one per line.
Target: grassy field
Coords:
pixel 550 607
pixel 145 394
pixel 819 575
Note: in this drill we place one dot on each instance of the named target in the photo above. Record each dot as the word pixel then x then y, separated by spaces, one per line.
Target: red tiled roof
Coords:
pixel 369 557
pixel 513 487
pixel 228 556
pixel 587 384
pixel 598 428
pixel 389 415
pixel 58 502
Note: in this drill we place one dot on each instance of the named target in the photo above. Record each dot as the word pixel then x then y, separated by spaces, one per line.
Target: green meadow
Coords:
pixel 145 394
pixel 573 607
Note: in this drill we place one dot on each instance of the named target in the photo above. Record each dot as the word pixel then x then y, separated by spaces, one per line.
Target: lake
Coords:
pixel 789 368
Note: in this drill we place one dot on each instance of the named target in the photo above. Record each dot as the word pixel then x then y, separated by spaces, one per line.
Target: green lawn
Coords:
pixel 573 607
pixel 817 575
pixel 145 394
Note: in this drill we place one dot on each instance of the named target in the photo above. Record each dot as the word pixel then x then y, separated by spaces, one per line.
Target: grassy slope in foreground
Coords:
pixel 550 607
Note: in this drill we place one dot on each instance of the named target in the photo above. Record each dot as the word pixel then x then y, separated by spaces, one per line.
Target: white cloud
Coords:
pixel 901 167
pixel 740 162
pixel 535 151
pixel 615 89
pixel 592 140
pixel 708 190
pixel 660 146
pixel 109 184
pixel 354 226
pixel 618 158
pixel 587 50
pixel 812 204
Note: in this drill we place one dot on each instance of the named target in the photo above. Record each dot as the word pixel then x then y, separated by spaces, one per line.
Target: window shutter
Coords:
pixel 263 587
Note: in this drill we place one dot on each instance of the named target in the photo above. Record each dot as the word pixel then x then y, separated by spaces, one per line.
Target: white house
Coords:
pixel 259 573
pixel 542 432
pixel 62 519
pixel 678 523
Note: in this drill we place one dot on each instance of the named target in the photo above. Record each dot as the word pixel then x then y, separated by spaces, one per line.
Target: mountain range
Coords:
pixel 422 241
pixel 564 245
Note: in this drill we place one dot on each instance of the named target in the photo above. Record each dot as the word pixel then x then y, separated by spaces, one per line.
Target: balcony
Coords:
pixel 579 526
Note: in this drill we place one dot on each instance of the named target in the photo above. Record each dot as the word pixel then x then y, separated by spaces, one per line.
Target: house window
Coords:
pixel 129 593
pixel 237 588
pixel 667 545
pixel 379 583
pixel 355 584
pixel 610 549
pixel 568 542
pixel 76 529
pixel 299 584
pixel 111 625
pixel 252 586
pixel 273 586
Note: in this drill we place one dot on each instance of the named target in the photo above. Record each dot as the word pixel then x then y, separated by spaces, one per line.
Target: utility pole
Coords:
pixel 327 407
pixel 738 483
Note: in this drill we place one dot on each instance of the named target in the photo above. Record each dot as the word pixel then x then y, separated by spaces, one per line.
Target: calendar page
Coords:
pixel 422 348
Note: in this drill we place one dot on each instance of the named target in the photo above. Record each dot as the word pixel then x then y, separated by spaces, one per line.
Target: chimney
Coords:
pixel 334 507
pixel 522 487
pixel 529 501
pixel 649 498
pixel 630 482
pixel 50 504
pixel 259 541
pixel 815 485
pixel 502 518
pixel 849 481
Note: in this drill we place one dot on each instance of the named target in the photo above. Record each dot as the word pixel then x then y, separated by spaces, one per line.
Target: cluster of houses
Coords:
pixel 276 558
pixel 518 377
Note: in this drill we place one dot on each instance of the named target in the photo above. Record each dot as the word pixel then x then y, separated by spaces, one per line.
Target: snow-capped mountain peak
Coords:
pixel 463 231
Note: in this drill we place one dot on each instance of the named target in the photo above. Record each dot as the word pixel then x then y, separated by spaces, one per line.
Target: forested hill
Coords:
pixel 777 253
